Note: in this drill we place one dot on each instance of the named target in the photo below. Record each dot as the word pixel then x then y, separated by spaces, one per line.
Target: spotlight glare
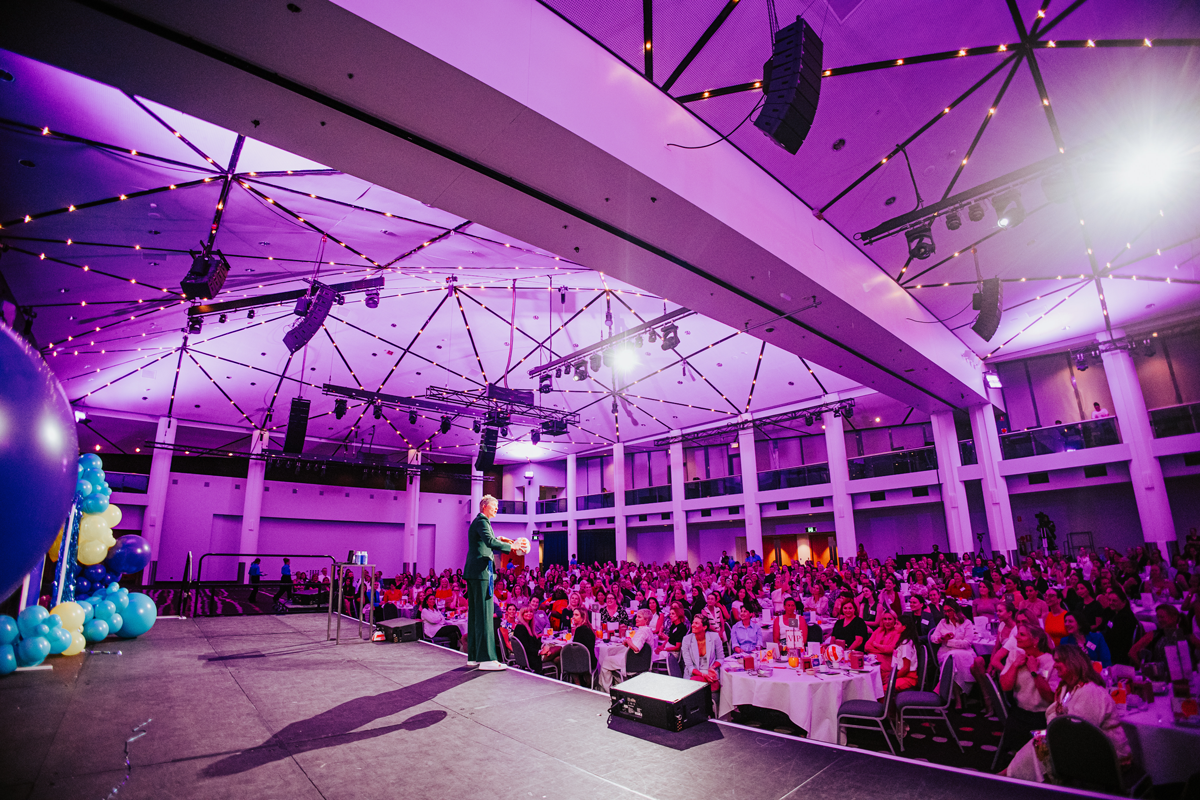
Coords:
pixel 1009 210
pixel 581 371
pixel 625 359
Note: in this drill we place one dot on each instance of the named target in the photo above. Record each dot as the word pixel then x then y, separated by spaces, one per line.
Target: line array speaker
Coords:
pixel 293 440
pixel 487 449
pixel 792 85
pixel 989 304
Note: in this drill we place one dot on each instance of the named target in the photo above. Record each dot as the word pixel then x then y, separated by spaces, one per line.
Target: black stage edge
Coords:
pixel 262 707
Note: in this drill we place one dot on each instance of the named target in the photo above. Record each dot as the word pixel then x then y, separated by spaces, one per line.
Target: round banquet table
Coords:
pixel 809 701
pixel 1165 750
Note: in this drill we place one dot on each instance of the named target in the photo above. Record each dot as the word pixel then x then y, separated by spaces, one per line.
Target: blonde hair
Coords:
pixel 487 500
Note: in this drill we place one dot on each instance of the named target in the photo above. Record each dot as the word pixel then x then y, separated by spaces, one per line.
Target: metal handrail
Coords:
pixel 200 565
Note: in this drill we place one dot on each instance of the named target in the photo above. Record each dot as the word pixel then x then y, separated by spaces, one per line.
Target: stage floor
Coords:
pixel 263 707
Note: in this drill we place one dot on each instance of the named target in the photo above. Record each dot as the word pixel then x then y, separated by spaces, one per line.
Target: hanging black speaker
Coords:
pixel 792 85
pixel 487 449
pixel 293 441
pixel 988 301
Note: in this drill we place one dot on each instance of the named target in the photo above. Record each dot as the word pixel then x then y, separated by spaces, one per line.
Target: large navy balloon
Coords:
pixel 38 449
pixel 131 553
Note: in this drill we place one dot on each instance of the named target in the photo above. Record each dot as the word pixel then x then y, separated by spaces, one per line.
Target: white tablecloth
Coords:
pixel 1167 752
pixel 810 702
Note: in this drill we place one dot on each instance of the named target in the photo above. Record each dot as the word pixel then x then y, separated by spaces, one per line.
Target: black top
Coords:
pixel 533 646
pixel 675 633
pixel 585 636
pixel 1118 632
pixel 848 632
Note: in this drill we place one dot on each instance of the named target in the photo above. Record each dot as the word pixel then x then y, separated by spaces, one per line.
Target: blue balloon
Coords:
pixel 32 651
pixel 8 659
pixel 59 639
pixel 83 488
pixel 93 475
pixel 95 573
pixel 115 622
pixel 82 587
pixel 96 631
pixel 37 484
pixel 89 611
pixel 94 503
pixel 113 586
pixel 90 461
pixel 139 617
pixel 120 600
pixel 130 554
pixel 30 618
pixel 9 632
pixel 105 609
pixel 54 621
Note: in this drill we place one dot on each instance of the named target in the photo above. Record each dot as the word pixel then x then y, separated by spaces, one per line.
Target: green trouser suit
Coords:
pixel 478 571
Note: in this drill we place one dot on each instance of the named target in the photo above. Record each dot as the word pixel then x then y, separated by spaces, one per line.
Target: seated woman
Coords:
pixel 657 618
pixel 868 608
pixel 985 603
pixel 702 654
pixel 434 620
pixel 883 642
pixel 791 620
pixel 1055 612
pixel 581 633
pixel 958 588
pixel 850 630
pixel 613 617
pixel 1090 642
pixel 955 635
pixel 904 659
pixel 529 640
pixel 715 614
pixel 1081 693
pixel 817 602
pixel 889 596
pixel 1026 674
pixel 1169 633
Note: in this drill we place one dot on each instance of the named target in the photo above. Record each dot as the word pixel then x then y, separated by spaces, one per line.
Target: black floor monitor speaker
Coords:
pixel 293 441
pixel 662 701
pixel 792 85
pixel 991 298
pixel 487 449
pixel 401 630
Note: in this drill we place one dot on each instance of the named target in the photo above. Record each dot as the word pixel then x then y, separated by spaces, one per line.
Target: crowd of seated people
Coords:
pixel 1033 609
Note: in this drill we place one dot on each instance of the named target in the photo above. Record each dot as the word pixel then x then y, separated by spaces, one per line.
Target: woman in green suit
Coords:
pixel 478 571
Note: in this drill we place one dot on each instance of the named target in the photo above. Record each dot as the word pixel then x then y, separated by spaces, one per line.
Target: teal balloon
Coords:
pixel 95 631
pixel 41 630
pixel 8 659
pixel 139 617
pixel 32 651
pixel 89 611
pixel 94 476
pixel 94 503
pixel 115 622
pixel 59 639
pixel 9 632
pixel 121 601
pixel 90 461
pixel 29 619
pixel 53 621
pixel 83 488
pixel 105 610
pixel 113 587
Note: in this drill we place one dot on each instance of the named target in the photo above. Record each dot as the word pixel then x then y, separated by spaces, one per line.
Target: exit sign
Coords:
pixel 810 529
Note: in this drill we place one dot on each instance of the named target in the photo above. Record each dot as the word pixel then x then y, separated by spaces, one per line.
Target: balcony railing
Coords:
pixel 901 462
pixel 714 487
pixel 1175 420
pixel 127 482
pixel 966 451
pixel 558 506
pixel 651 494
pixel 591 502
pixel 511 507
pixel 1060 438
pixel 791 477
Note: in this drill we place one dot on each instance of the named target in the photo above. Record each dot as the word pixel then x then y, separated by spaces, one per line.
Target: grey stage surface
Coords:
pixel 263 707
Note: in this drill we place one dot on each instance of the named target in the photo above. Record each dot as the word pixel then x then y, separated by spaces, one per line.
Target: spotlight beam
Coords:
pixel 604 344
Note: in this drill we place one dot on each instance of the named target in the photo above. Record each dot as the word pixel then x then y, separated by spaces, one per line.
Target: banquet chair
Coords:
pixel 1084 758
pixel 1000 705
pixel 447 636
pixel 868 714
pixel 922 664
pixel 674 666
pixel 639 662
pixel 502 648
pixel 522 660
pixel 575 660
pixel 915 704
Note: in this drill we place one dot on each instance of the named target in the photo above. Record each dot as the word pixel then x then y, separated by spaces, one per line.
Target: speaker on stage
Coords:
pixel 988 303
pixel 487 449
pixel 792 85
pixel 662 701
pixel 293 441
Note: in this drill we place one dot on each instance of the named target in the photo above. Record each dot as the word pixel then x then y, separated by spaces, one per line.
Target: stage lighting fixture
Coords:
pixel 595 362
pixel 504 431
pixel 339 407
pixel 412 417
pixel 194 325
pixel 653 336
pixel 562 297
pixel 809 420
pixel 975 212
pixel 544 386
pixel 206 277
pixel 223 319
pixel 920 242
pixel 847 412
pixel 1148 348
pixel 614 406
pixel 475 426
pixel 558 372
pixel 445 423
pixel 580 371
pixel 637 341
pixel 372 300
pixel 1009 210
pixel 993 380
pixel 1081 362
pixel 607 357
pixel 378 410
pixel 670 336
pixel 250 314
pixel 953 221
pixel 535 436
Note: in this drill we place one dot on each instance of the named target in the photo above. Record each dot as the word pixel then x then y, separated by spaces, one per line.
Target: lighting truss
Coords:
pixel 599 347
pixel 376 462
pixel 279 298
pixel 440 402
pixel 730 430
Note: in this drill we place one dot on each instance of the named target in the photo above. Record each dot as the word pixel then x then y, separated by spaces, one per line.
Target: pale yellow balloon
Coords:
pixel 54 548
pixel 77 644
pixel 91 552
pixel 111 515
pixel 71 614
pixel 93 525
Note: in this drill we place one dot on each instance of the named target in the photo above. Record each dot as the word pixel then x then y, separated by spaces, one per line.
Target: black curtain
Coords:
pixel 554 550
pixel 597 546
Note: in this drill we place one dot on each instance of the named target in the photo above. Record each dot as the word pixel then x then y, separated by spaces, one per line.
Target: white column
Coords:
pixel 1149 489
pixel 622 532
pixel 476 493
pixel 748 458
pixel 954 495
pixel 839 484
pixel 412 514
pixel 678 515
pixel 252 505
pixel 1001 530
pixel 572 518
pixel 531 495
pixel 156 491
